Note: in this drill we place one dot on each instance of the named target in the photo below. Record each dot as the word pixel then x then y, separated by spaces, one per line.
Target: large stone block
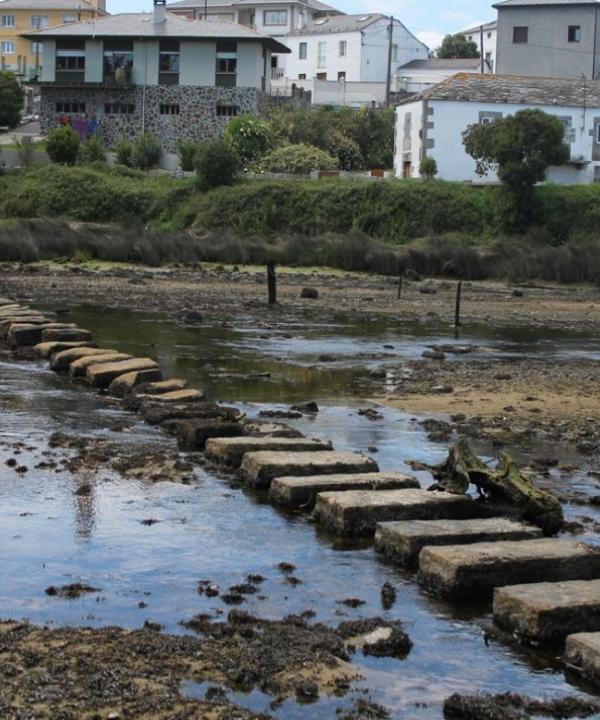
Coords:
pixel 302 492
pixel 188 395
pixel 403 541
pixel 471 572
pixel 548 612
pixel 193 434
pixel 357 512
pixel 47 349
pixel 60 361
pixel 582 654
pixel 78 368
pixel 101 376
pixel 157 413
pixel 65 334
pixel 231 451
pixel 125 384
pixel 30 334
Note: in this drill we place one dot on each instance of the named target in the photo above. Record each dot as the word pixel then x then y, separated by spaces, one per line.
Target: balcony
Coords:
pixel 277 73
pixel 121 77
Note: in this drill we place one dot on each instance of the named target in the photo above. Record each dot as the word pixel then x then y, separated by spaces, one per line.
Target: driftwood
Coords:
pixel 505 484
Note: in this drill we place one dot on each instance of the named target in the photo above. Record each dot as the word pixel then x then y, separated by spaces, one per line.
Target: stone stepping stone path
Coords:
pixel 231 451
pixel 301 492
pixel 357 512
pixel 544 589
pixel 548 612
pixel 464 572
pixel 259 468
pixel 403 541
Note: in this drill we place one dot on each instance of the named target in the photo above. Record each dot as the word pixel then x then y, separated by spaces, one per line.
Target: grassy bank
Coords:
pixel 434 228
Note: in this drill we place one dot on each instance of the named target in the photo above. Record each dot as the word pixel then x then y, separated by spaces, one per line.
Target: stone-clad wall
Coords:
pixel 197 119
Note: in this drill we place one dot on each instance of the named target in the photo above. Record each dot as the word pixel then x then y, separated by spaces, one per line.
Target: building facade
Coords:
pixel 549 38
pixel 418 75
pixel 17 17
pixel 127 74
pixel 432 123
pixel 486 38
pixel 276 18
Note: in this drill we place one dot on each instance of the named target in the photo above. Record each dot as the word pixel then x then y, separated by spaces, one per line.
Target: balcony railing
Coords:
pixel 277 73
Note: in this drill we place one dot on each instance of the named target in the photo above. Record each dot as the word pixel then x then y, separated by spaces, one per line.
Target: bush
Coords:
pixel 187 150
pixel 124 152
pixel 298 159
pixel 345 150
pixel 428 168
pixel 216 164
pixel 146 151
pixel 92 150
pixel 25 151
pixel 11 99
pixel 249 136
pixel 62 145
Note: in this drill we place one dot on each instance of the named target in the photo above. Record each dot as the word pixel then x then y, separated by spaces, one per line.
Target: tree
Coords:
pixel 519 148
pixel 428 168
pixel 62 145
pixel 249 136
pixel 217 164
pixel 11 100
pixel 457 46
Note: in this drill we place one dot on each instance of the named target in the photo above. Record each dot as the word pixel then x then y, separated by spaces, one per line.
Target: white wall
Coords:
pixel 197 63
pixel 451 118
pixel 375 44
pixel 408 146
pixel 334 64
pixel 249 64
pixel 490 42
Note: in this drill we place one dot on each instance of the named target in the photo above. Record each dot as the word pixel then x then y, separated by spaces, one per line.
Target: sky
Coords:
pixel 429 20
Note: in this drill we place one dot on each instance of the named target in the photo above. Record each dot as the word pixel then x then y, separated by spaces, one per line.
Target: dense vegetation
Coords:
pixel 11 99
pixel 432 227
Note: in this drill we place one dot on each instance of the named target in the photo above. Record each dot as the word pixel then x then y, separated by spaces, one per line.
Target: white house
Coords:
pixel 418 75
pixel 488 35
pixel 432 122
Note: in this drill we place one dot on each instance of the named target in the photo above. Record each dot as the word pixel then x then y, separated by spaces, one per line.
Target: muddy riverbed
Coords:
pixel 147 551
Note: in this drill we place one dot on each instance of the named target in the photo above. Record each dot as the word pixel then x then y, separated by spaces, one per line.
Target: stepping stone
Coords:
pixel 260 428
pixel 47 349
pixel 66 335
pixel 548 612
pixel 124 384
pixel 193 434
pixel 582 654
pixel 171 416
pixel 162 386
pixel 78 368
pixel 61 360
pixel 302 492
pixel 473 571
pixel 231 451
pixel 177 396
pixel 101 376
pixel 27 335
pixel 7 325
pixel 357 512
pixel 403 541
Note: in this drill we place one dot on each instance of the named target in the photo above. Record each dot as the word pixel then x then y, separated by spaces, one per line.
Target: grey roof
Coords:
pixel 455 64
pixel 492 25
pixel 515 89
pixel 339 23
pixel 48 5
pixel 199 4
pixel 517 3
pixel 141 25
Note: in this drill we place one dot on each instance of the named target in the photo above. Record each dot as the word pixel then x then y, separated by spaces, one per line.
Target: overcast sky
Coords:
pixel 430 20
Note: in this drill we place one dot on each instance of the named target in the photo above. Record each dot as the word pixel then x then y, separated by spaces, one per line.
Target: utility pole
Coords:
pixel 388 84
pixel 481 49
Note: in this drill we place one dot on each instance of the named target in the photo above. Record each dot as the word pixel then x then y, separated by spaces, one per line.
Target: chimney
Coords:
pixel 160 11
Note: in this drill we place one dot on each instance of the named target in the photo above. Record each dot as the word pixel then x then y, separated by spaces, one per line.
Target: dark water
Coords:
pixel 213 530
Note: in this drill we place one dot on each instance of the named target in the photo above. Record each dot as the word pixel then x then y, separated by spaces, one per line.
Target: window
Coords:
pixel 489 36
pixel 8 21
pixel 69 19
pixel 73 108
pixel 275 17
pixel 485 118
pixel 226 70
pixel 341 76
pixel 343 48
pixel 520 34
pixel 224 110
pixel 39 22
pixel 302 51
pixel 7 47
pixel 169 109
pixel 302 76
pixel 574 35
pixel 597 173
pixel 321 76
pixel 322 59
pixel 119 109
pixel 394 53
pixel 598 133
pixel 37 48
pixel 118 60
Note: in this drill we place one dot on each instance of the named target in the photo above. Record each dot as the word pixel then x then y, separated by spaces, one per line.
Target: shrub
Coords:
pixel 216 164
pixel 187 150
pixel 62 145
pixel 298 159
pixel 124 151
pixel 11 99
pixel 92 150
pixel 249 136
pixel 428 168
pixel 146 151
pixel 25 151
pixel 345 150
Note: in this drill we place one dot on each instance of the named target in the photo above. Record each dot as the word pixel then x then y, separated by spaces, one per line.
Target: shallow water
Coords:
pixel 214 530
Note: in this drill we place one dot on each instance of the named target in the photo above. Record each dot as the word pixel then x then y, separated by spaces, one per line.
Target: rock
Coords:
pixel 433 355
pixel 170 415
pixel 193 434
pixel 66 335
pixel 309 293
pixel 327 358
pixel 189 395
pixel 378 373
pixel 307 408
pixel 582 654
pixel 78 368
pixel 45 350
pixel 101 376
pixel 428 290
pixel 60 361
pixel 191 318
pixel 146 387
pixel 124 384
pixel 231 451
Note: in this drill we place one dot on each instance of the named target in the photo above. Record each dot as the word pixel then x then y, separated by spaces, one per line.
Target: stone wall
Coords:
pixel 197 118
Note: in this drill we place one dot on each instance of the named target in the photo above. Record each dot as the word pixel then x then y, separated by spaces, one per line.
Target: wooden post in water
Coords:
pixel 457 308
pixel 399 287
pixel 271 282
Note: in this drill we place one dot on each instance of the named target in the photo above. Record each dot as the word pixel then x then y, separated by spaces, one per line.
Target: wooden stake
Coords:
pixel 457 309
pixel 271 282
